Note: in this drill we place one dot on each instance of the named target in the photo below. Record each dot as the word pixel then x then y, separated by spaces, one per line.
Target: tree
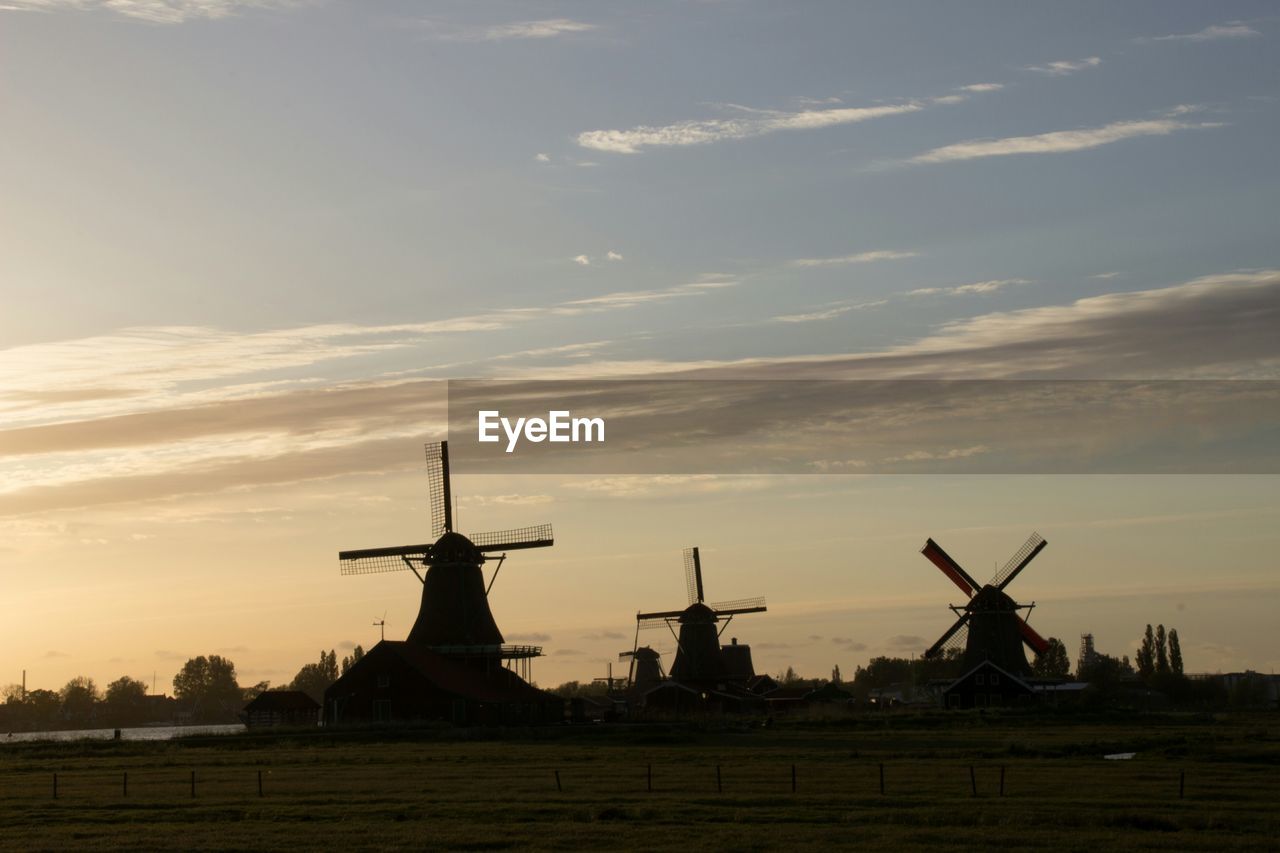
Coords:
pixel 1146 655
pixel 125 702
pixel 208 687
pixel 1162 651
pixel 78 698
pixel 835 674
pixel 314 678
pixel 789 676
pixel 44 707
pixel 251 693
pixel 349 661
pixel 1054 663
pixel 1175 652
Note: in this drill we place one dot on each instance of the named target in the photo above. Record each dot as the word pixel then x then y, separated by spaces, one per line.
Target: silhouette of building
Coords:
pixel 988 686
pixel 281 708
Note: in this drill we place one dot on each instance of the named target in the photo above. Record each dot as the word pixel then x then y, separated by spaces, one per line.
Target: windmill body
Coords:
pixel 989 623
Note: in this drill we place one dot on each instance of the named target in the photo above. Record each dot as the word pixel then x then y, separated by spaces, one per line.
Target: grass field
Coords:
pixel 492 790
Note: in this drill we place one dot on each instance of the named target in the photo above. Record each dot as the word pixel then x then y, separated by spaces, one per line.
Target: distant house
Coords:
pixel 400 681
pixel 987 686
pixel 281 708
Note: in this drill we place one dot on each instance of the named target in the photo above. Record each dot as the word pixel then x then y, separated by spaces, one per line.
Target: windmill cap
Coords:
pixel 453 547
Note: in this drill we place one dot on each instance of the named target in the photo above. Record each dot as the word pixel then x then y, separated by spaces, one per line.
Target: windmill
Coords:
pixel 454 617
pixel 992 628
pixel 646 668
pixel 699 657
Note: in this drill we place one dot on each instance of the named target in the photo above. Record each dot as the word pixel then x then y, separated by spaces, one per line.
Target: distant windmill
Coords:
pixel 646 667
pixel 993 629
pixel 454 617
pixel 699 657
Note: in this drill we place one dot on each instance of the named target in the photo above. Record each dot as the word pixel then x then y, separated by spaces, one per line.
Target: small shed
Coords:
pixel 282 708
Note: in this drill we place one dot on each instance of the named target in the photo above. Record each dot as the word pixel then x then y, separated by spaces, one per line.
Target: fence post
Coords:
pixel 558 788
pixel 259 783
pixel 973 781
pixel 1182 783
pixel 55 786
pixel 649 779
pixel 1002 780
pixel 882 780
pixel 719 787
pixel 193 783
pixel 793 778
pixel 125 789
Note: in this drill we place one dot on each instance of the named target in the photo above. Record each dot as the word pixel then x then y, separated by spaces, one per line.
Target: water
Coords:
pixel 141 733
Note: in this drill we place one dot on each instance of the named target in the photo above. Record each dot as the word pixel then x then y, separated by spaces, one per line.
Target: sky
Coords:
pixel 243 242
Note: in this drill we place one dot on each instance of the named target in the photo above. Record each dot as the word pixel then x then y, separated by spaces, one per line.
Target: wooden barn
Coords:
pixel 987 686
pixel 281 708
pixel 402 681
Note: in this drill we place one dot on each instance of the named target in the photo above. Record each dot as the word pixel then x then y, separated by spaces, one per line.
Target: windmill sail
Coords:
pixel 374 560
pixel 949 567
pixel 1034 545
pixel 537 536
pixel 439 491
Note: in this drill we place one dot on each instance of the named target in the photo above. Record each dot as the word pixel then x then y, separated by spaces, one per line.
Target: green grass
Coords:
pixel 482 789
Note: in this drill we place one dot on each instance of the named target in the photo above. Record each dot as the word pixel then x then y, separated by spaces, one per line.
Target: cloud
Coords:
pixel 828 313
pixel 982 87
pixel 613 256
pixel 860 258
pixel 509 500
pixel 605 635
pixel 755 123
pixel 543 29
pixel 935 456
pixel 966 289
pixel 1056 142
pixel 53 653
pixel 567 652
pixel 1066 66
pixel 582 260
pixel 905 641
pixel 542 158
pixel 153 11
pixel 1106 276
pixel 1216 32
pixel 528 638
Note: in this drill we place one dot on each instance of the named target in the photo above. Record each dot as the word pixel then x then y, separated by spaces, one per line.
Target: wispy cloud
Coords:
pixel 582 260
pixel 1216 32
pixel 967 289
pixel 982 87
pixel 1058 141
pixel 542 29
pixel 756 123
pixel 859 258
pixel 1063 67
pixel 828 313
pixel 153 11
pixel 613 256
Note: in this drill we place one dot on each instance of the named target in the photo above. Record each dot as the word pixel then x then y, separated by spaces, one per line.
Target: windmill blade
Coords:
pixel 374 560
pixel 693 574
pixel 1034 545
pixel 1034 641
pixel 537 536
pixel 659 615
pixel 741 605
pixel 942 641
pixel 625 655
pixel 439 490
pixel 940 558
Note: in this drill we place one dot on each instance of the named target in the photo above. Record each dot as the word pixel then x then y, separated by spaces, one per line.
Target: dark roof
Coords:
pixel 282 700
pixel 989 664
pixel 499 684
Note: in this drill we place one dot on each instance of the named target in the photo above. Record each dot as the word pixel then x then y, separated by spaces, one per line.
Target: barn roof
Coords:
pixel 498 684
pixel 282 700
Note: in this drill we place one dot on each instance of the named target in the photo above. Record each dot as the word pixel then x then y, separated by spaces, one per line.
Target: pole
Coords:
pixel 193 783
pixel 719 786
pixel 973 781
pixel 649 779
pixel 793 778
pixel 1002 780
pixel 55 786
pixel 558 788
pixel 882 780
pixel 259 783
pixel 1182 783
pixel 125 787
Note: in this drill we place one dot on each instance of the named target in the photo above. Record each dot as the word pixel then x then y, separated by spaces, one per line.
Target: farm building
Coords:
pixel 402 681
pixel 987 685
pixel 281 708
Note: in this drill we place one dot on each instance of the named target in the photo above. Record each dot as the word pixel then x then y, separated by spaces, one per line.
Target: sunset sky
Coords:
pixel 242 241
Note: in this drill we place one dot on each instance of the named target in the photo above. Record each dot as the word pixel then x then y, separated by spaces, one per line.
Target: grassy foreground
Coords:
pixel 493 790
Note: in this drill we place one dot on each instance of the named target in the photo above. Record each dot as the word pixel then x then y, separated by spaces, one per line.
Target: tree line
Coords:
pixel 206 690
